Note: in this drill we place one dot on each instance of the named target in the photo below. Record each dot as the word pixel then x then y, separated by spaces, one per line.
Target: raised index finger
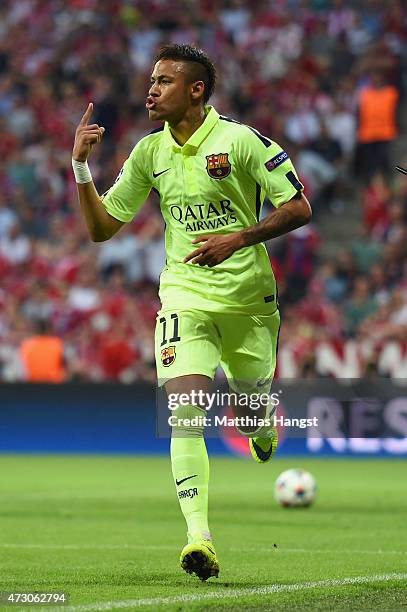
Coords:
pixel 87 114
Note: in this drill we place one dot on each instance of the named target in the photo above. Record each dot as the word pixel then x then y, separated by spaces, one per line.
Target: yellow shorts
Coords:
pixel 197 342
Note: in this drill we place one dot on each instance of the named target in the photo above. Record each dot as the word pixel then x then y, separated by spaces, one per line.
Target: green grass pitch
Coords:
pixel 108 530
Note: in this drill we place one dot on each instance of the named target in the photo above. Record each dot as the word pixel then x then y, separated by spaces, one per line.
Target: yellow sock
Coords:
pixel 190 468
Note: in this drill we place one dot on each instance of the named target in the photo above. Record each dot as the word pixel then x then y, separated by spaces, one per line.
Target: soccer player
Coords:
pixel 217 289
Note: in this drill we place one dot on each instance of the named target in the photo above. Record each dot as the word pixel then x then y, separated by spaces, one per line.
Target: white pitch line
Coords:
pixel 226 594
pixel 322 551
pixel 88 546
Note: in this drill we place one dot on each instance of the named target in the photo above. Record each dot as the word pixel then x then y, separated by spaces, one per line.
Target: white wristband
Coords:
pixel 81 171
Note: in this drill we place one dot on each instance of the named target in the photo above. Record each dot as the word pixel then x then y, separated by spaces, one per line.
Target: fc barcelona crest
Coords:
pixel 218 165
pixel 168 356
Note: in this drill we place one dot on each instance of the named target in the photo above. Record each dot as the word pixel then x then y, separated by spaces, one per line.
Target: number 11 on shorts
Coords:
pixel 175 337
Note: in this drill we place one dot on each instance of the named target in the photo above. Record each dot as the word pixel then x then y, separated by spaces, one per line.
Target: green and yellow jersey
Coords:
pixel 214 184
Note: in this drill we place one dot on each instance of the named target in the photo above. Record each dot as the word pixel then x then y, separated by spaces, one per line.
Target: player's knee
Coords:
pixel 187 421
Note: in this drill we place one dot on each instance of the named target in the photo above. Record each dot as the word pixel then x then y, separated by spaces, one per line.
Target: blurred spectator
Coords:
pixel 123 250
pixel 302 125
pixel 346 268
pixel 367 251
pixel 341 125
pixel 317 310
pixel 399 307
pixel 42 356
pixel 22 120
pixel 396 226
pixel 118 356
pixel 379 283
pixel 360 305
pixel 335 287
pixel 8 218
pixel 297 255
pixel 327 146
pixel 38 307
pixel 15 247
pixel 84 295
pixel 377 127
pixel 317 173
pixel 376 197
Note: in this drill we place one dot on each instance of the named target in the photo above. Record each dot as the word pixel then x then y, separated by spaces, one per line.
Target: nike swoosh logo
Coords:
pixel 178 482
pixel 263 455
pixel 155 174
pixel 209 548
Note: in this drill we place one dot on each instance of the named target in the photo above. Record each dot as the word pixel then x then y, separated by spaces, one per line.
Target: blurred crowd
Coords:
pixel 324 78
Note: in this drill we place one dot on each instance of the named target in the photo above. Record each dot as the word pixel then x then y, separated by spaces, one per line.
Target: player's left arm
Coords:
pixel 290 216
pixel 272 169
pixel 216 248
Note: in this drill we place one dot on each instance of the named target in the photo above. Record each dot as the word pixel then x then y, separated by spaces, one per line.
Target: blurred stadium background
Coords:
pixel 326 79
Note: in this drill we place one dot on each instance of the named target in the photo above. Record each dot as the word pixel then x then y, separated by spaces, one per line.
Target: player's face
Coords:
pixel 169 96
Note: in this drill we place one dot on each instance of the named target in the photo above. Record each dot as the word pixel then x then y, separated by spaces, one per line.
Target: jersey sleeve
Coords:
pixel 269 165
pixel 131 188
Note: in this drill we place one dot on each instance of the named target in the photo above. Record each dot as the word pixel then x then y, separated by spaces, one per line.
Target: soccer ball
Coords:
pixel 295 489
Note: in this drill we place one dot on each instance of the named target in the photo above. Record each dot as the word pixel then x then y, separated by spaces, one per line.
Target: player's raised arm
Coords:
pixel 101 225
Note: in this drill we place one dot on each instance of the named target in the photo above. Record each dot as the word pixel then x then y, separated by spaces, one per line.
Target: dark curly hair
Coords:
pixel 202 69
